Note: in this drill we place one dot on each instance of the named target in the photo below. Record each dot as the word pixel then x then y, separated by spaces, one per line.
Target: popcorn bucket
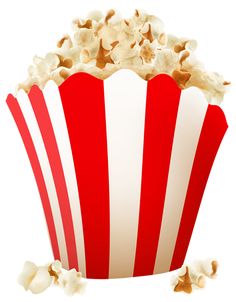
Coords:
pixel 121 166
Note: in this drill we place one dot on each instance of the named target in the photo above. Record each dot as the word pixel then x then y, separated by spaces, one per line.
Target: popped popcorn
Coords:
pixel 38 278
pixel 102 44
pixel 71 282
pixel 41 281
pixel 183 283
pixel 33 278
pixel 194 275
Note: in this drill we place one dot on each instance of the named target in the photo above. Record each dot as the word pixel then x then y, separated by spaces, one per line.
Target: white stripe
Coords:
pixel 55 109
pixel 125 100
pixel 192 110
pixel 46 170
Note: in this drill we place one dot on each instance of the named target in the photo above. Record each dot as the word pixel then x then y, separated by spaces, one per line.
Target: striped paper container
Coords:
pixel 121 166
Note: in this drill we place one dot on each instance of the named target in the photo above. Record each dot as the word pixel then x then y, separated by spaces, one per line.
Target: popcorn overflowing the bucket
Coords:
pixel 121 163
pixel 102 44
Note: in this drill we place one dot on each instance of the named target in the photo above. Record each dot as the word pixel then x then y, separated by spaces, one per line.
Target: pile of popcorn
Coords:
pixel 102 44
pixel 38 278
pixel 194 276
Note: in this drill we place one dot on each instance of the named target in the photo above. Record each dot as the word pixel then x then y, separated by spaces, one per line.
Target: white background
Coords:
pixel 33 27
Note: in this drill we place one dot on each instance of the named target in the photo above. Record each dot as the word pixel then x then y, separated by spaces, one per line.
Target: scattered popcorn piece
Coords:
pixel 102 44
pixel 194 274
pixel 36 279
pixel 71 282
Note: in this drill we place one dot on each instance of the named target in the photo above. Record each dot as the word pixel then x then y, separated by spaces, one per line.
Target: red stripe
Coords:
pixel 41 113
pixel 33 158
pixel 213 130
pixel 161 112
pixel 83 101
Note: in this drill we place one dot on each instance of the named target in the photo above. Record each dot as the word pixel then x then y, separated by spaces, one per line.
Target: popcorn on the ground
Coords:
pixel 194 275
pixel 33 278
pixel 38 279
pixel 102 44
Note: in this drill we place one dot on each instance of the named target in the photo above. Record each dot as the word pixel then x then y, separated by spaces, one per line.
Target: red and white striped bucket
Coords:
pixel 121 166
